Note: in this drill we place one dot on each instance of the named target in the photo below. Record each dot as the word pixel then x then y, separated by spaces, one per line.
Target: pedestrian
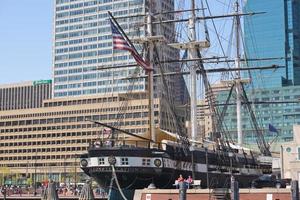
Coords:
pixel 19 189
pixel 189 181
pixel 3 191
pixel 180 179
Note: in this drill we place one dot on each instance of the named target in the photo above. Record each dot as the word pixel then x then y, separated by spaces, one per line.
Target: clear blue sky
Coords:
pixel 25 40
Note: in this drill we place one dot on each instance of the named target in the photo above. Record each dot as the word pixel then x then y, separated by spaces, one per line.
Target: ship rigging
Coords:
pixel 147 160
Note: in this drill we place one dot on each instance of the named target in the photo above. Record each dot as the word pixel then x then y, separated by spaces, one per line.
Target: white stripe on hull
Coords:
pixel 169 164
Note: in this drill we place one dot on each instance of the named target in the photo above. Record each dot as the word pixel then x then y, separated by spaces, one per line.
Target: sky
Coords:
pixel 25 40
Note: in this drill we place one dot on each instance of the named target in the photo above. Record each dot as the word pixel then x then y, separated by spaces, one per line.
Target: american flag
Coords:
pixel 120 43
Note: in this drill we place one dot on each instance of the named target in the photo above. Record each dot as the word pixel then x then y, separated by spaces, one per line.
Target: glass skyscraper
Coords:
pixel 83 45
pixel 273 34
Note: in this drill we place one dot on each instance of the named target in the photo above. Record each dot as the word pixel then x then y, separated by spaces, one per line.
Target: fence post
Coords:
pixel 234 186
pixel 182 190
pixel 295 190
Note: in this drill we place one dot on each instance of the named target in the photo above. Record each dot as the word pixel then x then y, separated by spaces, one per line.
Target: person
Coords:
pixel 19 190
pixel 189 181
pixel 180 178
pixel 3 191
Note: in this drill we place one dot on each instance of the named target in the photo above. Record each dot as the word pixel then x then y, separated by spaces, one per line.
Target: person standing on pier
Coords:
pixel 3 191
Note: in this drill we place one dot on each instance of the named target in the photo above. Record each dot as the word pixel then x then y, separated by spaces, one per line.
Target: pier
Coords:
pixel 31 197
pixel 205 194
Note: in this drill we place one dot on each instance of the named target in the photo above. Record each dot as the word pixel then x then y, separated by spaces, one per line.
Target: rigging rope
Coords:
pixel 114 177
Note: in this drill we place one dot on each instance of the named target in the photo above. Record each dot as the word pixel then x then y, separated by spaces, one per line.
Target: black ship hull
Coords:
pixel 138 167
pixel 166 180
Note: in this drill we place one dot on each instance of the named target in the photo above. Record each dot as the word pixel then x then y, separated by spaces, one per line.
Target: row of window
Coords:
pixel 84 47
pixel 93 61
pixel 83 55
pixel 47 135
pixel 103 90
pixel 78 102
pixel 44 157
pixel 39 143
pixel 115 6
pixel 59 22
pixel 84 40
pixel 72 119
pixel 64 134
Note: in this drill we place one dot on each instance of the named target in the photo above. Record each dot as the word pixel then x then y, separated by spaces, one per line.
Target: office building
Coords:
pixel 204 115
pixel 83 45
pixel 277 106
pixel 290 157
pixel 274 93
pixel 47 141
pixel 24 95
pixel 273 34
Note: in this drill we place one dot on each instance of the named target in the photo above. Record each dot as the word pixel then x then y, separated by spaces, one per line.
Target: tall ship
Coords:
pixel 127 161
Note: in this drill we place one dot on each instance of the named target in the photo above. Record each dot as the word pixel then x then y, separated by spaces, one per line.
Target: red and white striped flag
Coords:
pixel 120 43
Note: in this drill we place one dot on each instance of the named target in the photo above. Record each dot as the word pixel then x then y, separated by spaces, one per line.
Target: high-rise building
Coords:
pixel 24 95
pixel 83 43
pixel 273 34
pixel 274 93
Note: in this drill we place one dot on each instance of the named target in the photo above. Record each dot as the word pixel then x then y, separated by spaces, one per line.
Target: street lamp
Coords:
pixel 35 172
pixel 75 181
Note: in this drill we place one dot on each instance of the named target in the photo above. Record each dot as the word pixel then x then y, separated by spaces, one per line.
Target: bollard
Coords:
pixel 295 190
pixel 234 186
pixel 182 190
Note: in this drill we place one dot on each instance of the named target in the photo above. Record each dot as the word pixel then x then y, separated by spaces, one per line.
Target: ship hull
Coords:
pixel 137 168
pixel 166 180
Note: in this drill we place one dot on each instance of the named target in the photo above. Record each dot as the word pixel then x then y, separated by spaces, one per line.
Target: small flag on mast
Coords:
pixel 272 128
pixel 120 43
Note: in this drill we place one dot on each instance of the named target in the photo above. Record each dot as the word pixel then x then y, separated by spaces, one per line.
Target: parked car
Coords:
pixel 268 180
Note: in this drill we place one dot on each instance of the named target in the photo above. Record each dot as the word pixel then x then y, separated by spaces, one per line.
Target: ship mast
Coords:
pixel 150 79
pixel 192 55
pixel 238 77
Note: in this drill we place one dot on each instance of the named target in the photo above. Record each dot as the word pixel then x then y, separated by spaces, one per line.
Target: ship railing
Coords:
pixel 106 143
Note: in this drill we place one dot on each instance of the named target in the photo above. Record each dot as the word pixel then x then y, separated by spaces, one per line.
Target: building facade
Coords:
pixel 274 34
pixel 24 95
pixel 290 157
pixel 274 93
pixel 82 47
pixel 46 142
pixel 277 106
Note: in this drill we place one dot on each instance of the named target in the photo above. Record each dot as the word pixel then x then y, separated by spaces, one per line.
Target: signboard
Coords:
pixel 40 82
pixel 269 197
pixel 148 196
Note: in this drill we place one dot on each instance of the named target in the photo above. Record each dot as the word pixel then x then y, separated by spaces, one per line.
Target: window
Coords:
pixel 124 161
pixel 146 162
pixel 298 153
pixel 101 161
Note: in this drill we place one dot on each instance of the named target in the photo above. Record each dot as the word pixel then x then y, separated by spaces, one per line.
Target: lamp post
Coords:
pixel 75 181
pixel 35 172
pixel 65 170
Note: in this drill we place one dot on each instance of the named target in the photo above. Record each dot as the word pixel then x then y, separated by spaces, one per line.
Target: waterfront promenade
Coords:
pixel 31 196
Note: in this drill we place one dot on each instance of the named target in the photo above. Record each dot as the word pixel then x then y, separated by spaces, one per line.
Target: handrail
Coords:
pixel 106 143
